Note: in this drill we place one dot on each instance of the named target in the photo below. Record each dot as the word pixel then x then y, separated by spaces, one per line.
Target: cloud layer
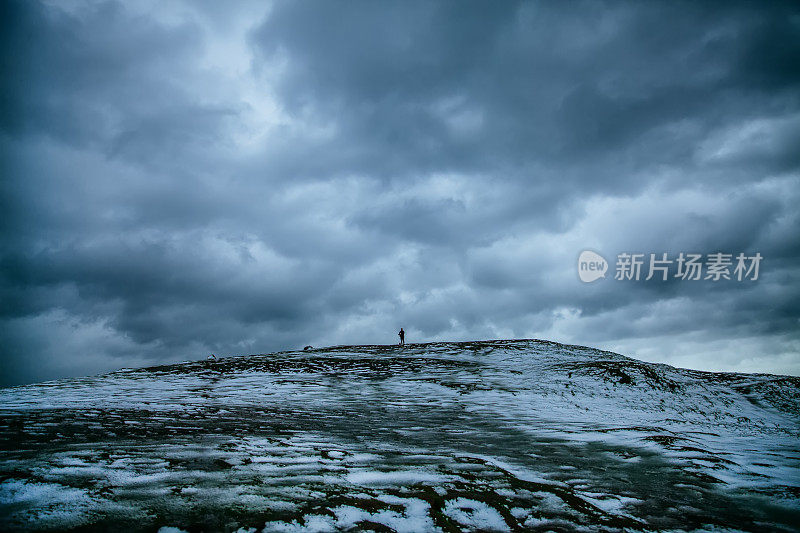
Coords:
pixel 183 178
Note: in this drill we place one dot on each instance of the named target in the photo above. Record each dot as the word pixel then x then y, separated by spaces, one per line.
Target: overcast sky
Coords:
pixel 182 178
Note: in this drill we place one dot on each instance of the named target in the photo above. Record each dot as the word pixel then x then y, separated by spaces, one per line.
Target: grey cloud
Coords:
pixel 613 78
pixel 365 166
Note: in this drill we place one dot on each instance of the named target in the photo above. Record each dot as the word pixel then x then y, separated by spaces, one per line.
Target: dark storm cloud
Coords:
pixel 458 86
pixel 180 179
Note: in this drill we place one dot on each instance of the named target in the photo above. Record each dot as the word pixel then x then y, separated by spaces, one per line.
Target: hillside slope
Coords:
pixel 492 435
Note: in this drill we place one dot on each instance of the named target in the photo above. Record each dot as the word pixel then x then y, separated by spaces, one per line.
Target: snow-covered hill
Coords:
pixel 494 435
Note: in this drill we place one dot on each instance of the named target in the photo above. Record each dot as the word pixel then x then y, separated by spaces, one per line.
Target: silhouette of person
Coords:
pixel 402 336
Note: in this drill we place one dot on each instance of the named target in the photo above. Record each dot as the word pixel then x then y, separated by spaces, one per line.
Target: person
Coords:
pixel 402 336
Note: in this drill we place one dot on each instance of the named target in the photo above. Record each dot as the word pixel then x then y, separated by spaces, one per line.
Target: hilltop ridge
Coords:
pixel 503 435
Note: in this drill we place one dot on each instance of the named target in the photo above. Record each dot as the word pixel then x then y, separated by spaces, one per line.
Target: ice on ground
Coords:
pixel 445 436
pixel 395 477
pixel 475 515
pixel 13 491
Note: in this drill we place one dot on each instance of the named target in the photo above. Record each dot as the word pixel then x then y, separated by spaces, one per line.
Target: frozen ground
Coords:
pixel 496 435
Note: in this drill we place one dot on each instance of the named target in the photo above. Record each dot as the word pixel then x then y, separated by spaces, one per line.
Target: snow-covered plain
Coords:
pixel 476 436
